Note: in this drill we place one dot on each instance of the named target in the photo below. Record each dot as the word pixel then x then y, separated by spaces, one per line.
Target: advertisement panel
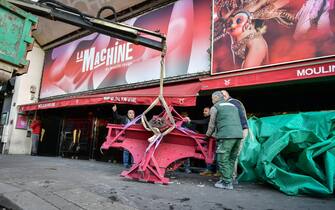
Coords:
pixel 98 61
pixel 252 34
pixel 21 121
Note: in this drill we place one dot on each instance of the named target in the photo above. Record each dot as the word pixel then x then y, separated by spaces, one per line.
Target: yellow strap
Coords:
pixel 79 132
pixel 74 136
pixel 42 134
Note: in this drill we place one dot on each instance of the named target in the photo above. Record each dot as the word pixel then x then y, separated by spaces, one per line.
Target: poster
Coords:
pixel 98 61
pixel 251 34
pixel 21 121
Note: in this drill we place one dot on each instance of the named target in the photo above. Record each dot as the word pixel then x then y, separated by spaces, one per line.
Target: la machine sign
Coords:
pixel 114 57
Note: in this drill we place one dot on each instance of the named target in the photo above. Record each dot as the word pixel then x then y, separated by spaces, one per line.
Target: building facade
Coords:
pixel 291 71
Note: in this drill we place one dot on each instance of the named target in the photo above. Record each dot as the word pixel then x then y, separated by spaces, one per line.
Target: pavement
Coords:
pixel 49 183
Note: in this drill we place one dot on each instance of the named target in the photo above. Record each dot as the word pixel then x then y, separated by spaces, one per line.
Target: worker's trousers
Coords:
pixel 227 151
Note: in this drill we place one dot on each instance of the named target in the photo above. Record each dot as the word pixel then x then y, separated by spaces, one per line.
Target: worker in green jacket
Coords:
pixel 225 119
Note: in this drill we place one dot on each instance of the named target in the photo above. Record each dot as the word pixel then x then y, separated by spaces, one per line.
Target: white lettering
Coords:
pixel 113 57
pixel 88 59
pixel 97 59
pixel 301 73
pixel 315 71
pixel 309 71
pixel 110 56
pixel 129 49
pixel 115 52
pixel 121 53
pixel 324 71
pixel 53 104
pixel 103 55
pixel 80 55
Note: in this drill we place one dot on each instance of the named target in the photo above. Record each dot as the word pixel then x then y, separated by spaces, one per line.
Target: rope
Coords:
pixel 157 137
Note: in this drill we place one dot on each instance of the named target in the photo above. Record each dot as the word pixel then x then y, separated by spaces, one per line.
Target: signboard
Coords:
pixel 249 34
pixel 98 61
pixel 291 73
pixel 21 121
pixel 144 96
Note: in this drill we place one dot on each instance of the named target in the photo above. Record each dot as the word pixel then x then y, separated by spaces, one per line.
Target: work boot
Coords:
pixel 206 173
pixel 224 185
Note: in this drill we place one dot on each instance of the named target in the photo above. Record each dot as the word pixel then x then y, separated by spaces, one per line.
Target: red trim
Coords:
pixel 176 95
pixel 256 78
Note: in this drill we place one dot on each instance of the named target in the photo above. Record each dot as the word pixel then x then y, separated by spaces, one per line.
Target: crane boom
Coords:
pixel 54 10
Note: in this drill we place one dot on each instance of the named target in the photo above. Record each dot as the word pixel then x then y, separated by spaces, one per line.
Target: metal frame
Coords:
pixel 53 11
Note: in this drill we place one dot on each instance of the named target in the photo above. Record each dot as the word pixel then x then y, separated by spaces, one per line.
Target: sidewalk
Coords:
pixel 30 182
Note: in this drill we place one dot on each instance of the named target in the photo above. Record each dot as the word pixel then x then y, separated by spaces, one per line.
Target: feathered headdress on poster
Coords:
pixel 255 9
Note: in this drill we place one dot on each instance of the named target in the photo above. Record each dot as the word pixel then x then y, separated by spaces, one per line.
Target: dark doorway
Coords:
pixel 76 138
pixel 50 140
pixel 112 155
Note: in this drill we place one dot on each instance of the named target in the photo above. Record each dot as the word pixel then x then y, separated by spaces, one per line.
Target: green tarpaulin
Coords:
pixel 294 152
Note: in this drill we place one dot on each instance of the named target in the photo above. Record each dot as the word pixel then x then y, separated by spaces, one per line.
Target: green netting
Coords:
pixel 294 152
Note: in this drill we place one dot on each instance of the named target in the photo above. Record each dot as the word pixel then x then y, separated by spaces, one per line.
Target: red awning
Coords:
pixel 175 95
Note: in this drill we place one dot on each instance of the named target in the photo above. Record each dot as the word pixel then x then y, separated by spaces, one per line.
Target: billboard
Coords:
pixel 251 34
pixel 98 61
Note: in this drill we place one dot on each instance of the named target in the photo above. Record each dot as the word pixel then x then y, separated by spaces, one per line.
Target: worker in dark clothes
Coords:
pixel 127 159
pixel 202 126
pixel 188 125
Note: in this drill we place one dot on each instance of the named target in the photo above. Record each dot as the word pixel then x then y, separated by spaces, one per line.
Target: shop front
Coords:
pixel 76 127
pixel 84 78
pixel 260 53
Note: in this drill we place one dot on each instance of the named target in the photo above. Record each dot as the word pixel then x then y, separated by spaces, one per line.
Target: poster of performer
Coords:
pixel 250 34
pixel 97 61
